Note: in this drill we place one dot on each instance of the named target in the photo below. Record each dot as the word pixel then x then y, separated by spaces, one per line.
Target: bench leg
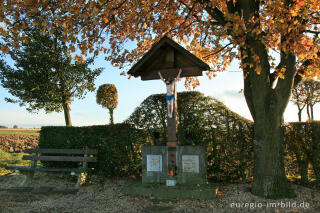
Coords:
pixel 27 177
pixel 81 179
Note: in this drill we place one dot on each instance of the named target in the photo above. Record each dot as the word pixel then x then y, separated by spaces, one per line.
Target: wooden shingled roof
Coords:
pixel 167 57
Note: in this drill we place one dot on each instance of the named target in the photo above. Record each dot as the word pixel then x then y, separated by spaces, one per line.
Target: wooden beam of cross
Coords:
pixel 170 60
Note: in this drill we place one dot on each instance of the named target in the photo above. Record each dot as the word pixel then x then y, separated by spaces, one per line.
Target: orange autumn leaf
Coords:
pixel 72 48
pixel 29 2
pixel 16 45
pixel 64 39
pixel 5 49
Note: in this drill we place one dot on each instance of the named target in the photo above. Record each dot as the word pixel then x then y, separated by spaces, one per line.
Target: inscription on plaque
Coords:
pixel 190 163
pixel 154 163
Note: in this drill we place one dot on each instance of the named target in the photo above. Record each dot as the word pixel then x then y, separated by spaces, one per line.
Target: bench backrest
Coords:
pixel 62 151
pixel 39 154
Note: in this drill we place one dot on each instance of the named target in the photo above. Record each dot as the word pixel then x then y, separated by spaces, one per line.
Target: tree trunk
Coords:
pixel 111 115
pixel 66 110
pixel 299 115
pixel 267 104
pixel 315 150
pixel 269 174
pixel 303 170
pixel 316 170
pixel 311 111
pixel 308 112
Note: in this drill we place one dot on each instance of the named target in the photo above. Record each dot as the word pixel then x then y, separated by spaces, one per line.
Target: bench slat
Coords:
pixel 63 151
pixel 60 158
pixel 43 169
pixel 27 168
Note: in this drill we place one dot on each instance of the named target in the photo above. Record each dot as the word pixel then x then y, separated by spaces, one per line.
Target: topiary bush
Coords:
pixel 119 146
pixel 107 96
pixel 202 121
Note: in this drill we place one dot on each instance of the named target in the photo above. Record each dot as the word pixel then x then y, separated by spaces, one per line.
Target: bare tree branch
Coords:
pixel 218 51
pixel 312 31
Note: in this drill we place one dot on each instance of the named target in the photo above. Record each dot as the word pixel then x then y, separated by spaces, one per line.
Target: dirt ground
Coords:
pixel 18 142
pixel 54 193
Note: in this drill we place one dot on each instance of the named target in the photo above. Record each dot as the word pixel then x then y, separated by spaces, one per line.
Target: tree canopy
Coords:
pixel 215 31
pixel 44 75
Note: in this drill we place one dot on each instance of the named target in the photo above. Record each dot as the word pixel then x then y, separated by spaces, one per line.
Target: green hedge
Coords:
pixel 119 146
pixel 202 121
pixel 303 149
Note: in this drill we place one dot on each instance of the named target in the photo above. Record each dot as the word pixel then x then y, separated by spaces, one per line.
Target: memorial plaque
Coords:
pixel 171 182
pixel 154 163
pixel 190 163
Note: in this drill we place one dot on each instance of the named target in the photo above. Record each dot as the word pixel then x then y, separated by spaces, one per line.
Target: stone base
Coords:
pixel 161 191
pixel 190 161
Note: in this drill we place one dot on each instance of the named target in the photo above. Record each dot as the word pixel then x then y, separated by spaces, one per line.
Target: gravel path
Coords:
pixel 51 193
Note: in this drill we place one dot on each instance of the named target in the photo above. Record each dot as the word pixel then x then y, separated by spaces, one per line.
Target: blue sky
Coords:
pixel 131 93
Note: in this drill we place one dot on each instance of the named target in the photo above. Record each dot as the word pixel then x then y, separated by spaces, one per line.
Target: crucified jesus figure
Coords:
pixel 171 90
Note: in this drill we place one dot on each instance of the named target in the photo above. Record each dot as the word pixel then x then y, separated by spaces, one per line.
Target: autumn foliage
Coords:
pixel 99 26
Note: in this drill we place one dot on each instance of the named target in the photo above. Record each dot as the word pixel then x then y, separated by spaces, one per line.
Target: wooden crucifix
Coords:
pixel 171 99
pixel 167 60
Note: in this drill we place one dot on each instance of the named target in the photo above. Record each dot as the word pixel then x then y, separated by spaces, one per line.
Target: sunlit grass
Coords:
pixel 10 159
pixel 9 132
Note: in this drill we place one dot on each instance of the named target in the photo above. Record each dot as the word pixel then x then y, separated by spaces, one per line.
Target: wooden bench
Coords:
pixel 83 156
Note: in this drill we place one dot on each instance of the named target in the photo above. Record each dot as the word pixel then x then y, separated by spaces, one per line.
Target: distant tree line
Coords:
pixel 305 96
